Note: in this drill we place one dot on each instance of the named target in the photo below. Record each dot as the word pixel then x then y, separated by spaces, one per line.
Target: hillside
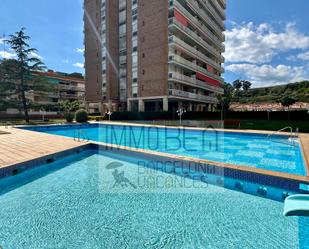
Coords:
pixel 299 91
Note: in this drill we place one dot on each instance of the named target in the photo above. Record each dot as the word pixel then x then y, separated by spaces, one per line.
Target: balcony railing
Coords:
pixel 73 88
pixel 223 3
pixel 180 43
pixel 196 8
pixel 192 81
pixel 200 26
pixel 189 95
pixel 219 8
pixel 213 12
pixel 196 38
pixel 71 96
pixel 192 66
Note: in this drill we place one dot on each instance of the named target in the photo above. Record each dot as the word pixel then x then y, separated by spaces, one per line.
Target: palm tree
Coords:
pixel 26 64
pixel 69 108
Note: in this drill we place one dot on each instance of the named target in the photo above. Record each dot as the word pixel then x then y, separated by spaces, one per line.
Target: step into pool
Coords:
pixel 100 199
pixel 277 153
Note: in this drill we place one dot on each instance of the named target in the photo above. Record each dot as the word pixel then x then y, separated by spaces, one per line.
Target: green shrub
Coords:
pixel 81 116
pixel 100 118
pixel 69 117
pixel 96 118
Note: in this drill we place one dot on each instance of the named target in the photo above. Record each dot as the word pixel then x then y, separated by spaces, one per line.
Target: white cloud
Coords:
pixel 301 56
pixel 266 75
pixel 11 55
pixel 7 55
pixel 79 65
pixel 1 40
pixel 260 43
pixel 80 50
pixel 36 55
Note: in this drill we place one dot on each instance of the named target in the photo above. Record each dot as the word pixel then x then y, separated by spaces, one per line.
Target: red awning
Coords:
pixel 207 79
pixel 181 18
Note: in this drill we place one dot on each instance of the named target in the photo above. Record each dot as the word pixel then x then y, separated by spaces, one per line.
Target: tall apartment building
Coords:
pixel 153 55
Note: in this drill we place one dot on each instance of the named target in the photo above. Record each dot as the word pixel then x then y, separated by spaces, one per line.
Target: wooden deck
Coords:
pixel 17 145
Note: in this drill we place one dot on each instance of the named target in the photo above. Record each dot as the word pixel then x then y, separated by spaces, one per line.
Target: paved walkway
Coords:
pixel 21 145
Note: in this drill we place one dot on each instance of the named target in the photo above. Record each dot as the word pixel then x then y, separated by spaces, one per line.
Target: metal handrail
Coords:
pixel 296 133
pixel 283 129
pixel 292 136
pixel 81 136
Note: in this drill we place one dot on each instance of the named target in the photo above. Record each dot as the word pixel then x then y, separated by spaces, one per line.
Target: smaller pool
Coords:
pixel 243 149
pixel 79 202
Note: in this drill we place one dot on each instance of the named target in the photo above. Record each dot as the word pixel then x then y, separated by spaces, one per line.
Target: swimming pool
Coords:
pixel 245 149
pixel 69 204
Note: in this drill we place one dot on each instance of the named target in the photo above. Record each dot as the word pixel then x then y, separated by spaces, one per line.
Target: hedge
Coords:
pixel 279 115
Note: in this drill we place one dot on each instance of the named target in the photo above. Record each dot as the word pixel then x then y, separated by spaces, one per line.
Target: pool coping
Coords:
pixel 304 139
pixel 21 166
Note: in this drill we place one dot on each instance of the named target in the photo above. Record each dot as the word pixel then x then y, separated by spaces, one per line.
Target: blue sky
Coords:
pixel 55 27
pixel 267 41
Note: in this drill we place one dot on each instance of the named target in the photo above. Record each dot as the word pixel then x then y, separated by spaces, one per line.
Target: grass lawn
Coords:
pixel 272 125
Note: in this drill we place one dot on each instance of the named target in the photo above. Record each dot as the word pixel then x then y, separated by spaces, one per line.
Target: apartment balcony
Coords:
pixel 196 8
pixel 223 3
pixel 175 41
pixel 173 23
pixel 71 96
pixel 192 96
pixel 192 81
pixel 46 102
pixel 219 8
pixel 178 60
pixel 213 12
pixel 71 88
pixel 40 94
pixel 199 26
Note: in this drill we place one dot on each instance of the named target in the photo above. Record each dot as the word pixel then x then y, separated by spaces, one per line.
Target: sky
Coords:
pixel 267 41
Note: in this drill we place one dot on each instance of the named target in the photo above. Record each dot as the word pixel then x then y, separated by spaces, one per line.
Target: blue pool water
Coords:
pixel 69 204
pixel 255 150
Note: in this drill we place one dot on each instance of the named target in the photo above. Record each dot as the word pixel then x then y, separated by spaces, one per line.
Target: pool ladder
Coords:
pixel 80 136
pixel 292 137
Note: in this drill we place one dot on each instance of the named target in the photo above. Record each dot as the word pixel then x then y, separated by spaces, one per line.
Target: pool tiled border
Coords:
pixel 277 179
pixel 18 168
pixel 214 169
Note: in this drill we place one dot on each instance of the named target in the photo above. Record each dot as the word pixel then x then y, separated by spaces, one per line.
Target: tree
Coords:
pixel 26 64
pixel 69 108
pixel 246 85
pixel 287 101
pixel 237 84
pixel 224 100
pixel 8 85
